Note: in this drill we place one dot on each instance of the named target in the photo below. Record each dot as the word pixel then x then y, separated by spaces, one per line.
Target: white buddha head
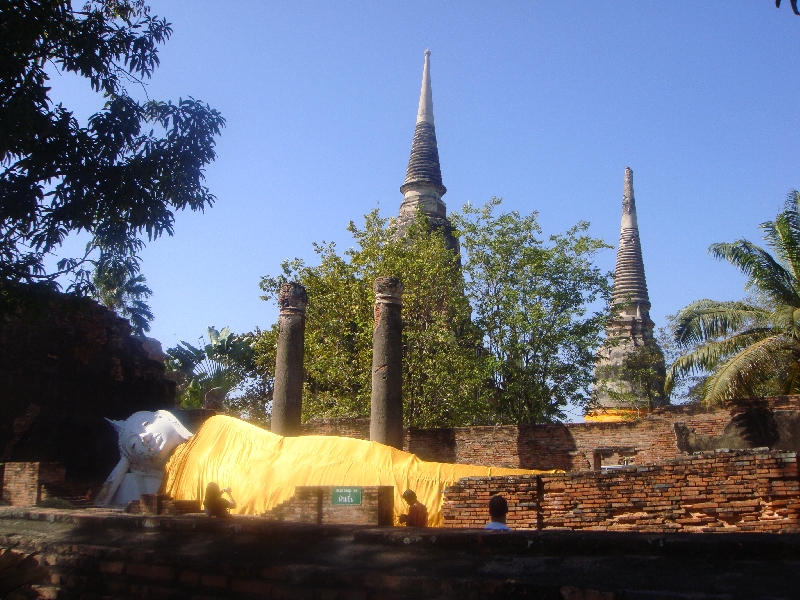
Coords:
pixel 147 438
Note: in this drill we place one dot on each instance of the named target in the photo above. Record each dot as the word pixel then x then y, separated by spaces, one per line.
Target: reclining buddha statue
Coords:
pixel 146 440
pixel 263 468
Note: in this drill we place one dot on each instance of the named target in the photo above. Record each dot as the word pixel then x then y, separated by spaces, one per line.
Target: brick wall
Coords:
pixel 712 491
pixel 570 446
pixel 735 491
pixel 466 504
pixel 313 505
pixel 771 403
pixel 91 554
pixel 23 482
pixel 354 428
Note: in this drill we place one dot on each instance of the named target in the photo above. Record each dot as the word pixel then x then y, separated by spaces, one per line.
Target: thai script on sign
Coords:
pixel 347 496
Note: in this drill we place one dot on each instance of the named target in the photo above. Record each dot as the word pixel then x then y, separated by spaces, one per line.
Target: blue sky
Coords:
pixel 541 103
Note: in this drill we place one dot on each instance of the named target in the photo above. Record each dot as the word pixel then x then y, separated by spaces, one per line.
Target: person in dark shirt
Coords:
pixel 498 509
pixel 417 513
pixel 215 504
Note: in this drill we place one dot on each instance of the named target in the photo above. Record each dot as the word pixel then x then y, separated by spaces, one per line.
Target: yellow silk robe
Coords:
pixel 263 468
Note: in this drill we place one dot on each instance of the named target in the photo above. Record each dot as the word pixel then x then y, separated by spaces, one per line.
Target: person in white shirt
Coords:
pixel 498 509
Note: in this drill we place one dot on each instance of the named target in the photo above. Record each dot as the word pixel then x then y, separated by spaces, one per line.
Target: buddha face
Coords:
pixel 147 438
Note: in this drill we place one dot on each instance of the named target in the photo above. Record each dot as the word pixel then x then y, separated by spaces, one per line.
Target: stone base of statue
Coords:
pixel 135 485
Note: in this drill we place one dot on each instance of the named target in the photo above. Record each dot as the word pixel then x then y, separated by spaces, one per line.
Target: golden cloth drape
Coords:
pixel 263 468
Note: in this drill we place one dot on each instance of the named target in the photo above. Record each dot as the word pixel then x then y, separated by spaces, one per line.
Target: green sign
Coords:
pixel 346 496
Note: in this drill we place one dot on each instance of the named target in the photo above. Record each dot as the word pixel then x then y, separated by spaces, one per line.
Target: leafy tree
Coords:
pixel 251 399
pixel 687 389
pixel 442 374
pixel 526 354
pixel 224 367
pixel 531 302
pixel 638 381
pixel 126 292
pixel 119 177
pixel 749 347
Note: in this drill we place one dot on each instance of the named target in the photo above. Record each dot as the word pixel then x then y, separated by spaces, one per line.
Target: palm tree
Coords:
pixel 126 293
pixel 749 346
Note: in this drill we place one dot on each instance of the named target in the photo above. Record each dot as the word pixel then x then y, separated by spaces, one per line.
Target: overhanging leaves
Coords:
pixel 122 176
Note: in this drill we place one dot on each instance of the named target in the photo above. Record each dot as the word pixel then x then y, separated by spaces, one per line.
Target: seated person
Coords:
pixel 498 509
pixel 215 504
pixel 417 513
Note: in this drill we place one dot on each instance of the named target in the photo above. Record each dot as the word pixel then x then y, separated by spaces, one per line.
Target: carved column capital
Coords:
pixel 292 299
pixel 388 290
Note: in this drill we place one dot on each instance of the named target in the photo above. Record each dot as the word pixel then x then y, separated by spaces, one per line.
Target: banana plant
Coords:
pixel 223 363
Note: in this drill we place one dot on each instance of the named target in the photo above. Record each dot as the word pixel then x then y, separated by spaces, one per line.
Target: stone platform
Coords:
pixel 103 554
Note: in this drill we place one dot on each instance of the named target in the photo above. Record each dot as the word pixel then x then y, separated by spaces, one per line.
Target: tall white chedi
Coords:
pixel 632 328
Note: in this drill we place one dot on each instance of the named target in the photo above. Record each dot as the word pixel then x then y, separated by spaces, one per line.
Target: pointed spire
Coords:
pixel 630 286
pixel 423 190
pixel 423 164
pixel 628 203
pixel 425 112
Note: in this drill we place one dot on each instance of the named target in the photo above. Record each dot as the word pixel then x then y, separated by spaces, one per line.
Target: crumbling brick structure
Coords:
pixel 754 491
pixel 569 447
pixel 64 366
pixel 663 434
pixel 26 483
pixel 313 504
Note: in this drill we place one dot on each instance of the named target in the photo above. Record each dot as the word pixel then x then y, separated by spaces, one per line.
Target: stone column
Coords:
pixel 386 416
pixel 287 397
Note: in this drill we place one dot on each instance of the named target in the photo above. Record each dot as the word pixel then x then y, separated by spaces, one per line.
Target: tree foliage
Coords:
pixel 638 382
pixel 688 388
pixel 531 302
pixel 225 366
pixel 749 347
pixel 120 177
pixel 441 376
pixel 126 293
pixel 527 352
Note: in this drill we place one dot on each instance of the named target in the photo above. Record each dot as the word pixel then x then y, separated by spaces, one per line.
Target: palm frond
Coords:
pixel 709 356
pixel 791 211
pixel 787 320
pixel 778 236
pixel 210 373
pixel 735 378
pixel 761 268
pixel 186 356
pixel 783 317
pixel 783 234
pixel 791 380
pixel 708 319
pixel 762 338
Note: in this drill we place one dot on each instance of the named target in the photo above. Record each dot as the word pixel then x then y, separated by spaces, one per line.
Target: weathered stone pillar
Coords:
pixel 287 397
pixel 386 416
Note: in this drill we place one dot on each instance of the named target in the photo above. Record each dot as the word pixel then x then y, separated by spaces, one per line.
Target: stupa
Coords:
pixel 423 189
pixel 629 335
